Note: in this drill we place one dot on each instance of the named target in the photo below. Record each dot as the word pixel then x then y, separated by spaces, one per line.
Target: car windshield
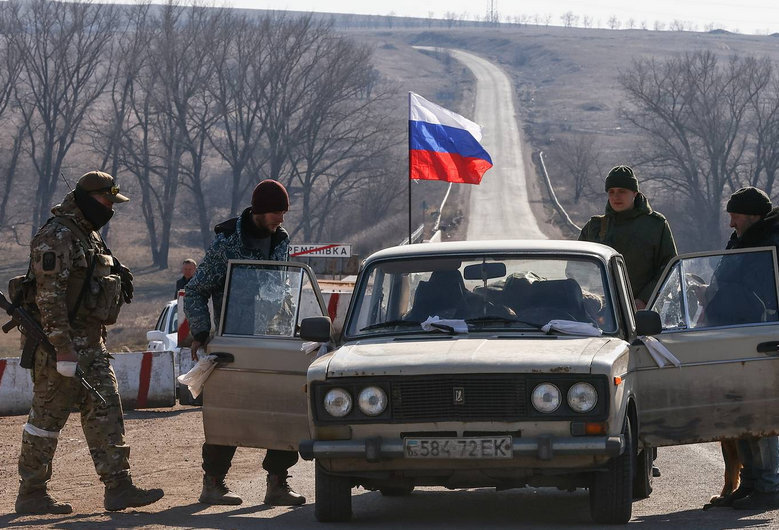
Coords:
pixel 489 293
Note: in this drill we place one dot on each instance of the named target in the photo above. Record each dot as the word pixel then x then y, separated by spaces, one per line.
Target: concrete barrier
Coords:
pixel 15 388
pixel 145 380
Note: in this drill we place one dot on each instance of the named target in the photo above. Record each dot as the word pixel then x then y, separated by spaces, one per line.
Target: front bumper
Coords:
pixel 542 447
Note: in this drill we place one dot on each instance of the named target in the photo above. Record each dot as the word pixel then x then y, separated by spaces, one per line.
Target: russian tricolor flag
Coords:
pixel 443 145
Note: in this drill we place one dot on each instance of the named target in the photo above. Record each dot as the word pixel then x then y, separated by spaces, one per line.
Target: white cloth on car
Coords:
pixel 571 327
pixel 446 324
pixel 661 355
pixel 196 377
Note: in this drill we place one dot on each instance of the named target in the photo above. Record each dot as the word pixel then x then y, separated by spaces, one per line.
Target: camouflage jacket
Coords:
pixel 59 262
pixel 209 279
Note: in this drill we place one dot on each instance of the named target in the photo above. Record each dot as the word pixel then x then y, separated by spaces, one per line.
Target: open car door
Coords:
pixel 258 397
pixel 718 376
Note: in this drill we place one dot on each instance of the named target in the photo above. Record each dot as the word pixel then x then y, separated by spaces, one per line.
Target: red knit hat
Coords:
pixel 270 196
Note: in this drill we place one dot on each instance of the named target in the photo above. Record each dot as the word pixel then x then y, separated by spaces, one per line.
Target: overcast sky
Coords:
pixel 747 16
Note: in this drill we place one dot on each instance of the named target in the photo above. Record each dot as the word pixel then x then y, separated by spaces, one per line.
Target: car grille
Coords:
pixel 483 397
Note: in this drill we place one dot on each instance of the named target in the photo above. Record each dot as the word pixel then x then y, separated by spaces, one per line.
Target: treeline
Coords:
pixel 191 105
pixel 706 125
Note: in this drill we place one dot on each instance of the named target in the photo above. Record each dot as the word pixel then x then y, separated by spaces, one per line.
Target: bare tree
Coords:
pixel 569 19
pixel 764 131
pixel 340 135
pixel 64 47
pixel 614 22
pixel 693 111
pixel 577 156
pixel 10 68
pixel 239 89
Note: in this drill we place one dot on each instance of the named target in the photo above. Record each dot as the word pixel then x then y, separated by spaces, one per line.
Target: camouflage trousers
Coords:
pixel 54 397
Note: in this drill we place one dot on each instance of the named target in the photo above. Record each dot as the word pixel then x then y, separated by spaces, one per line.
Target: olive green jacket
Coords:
pixel 642 236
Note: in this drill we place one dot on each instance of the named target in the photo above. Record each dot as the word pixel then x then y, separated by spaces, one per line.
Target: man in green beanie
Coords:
pixel 631 227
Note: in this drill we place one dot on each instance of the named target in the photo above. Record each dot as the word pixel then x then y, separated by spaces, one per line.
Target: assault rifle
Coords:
pixel 35 337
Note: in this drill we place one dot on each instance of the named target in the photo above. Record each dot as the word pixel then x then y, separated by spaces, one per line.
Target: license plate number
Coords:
pixel 472 447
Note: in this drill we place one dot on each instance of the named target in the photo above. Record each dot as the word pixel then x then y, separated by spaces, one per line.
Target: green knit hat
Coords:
pixel 622 177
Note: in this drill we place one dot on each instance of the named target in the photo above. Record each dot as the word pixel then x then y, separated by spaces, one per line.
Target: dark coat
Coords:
pixel 211 274
pixel 642 236
pixel 739 294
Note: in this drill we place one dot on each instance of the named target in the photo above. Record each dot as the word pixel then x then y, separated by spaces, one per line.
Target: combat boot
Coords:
pixel 279 493
pixel 215 491
pixel 128 495
pixel 39 502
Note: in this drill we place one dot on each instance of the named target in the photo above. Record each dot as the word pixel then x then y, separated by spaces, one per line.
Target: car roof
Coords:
pixel 540 246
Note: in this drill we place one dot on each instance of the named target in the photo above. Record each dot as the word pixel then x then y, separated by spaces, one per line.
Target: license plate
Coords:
pixel 471 447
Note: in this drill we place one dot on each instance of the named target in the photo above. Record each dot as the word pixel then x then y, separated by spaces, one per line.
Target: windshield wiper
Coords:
pixel 392 324
pixel 493 318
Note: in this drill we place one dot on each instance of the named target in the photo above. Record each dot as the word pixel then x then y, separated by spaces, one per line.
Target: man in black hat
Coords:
pixel 256 234
pixel 631 227
pixel 738 298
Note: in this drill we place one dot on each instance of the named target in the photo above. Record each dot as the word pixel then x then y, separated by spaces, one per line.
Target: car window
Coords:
pixel 174 321
pixel 267 300
pixel 719 290
pixel 488 292
pixel 163 318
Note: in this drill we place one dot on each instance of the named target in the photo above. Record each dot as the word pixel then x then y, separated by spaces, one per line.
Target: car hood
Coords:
pixel 464 355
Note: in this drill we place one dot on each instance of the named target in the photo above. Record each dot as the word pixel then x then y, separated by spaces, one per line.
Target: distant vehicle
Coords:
pixel 539 371
pixel 164 336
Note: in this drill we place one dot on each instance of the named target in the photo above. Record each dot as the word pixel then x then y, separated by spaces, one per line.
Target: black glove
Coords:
pixel 127 280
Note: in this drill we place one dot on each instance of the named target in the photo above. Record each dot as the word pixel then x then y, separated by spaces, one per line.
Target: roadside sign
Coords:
pixel 320 250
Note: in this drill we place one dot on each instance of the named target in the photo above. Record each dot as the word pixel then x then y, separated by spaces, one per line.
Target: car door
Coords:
pixel 258 398
pixel 719 372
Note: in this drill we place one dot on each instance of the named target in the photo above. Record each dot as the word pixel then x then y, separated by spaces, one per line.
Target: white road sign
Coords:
pixel 320 250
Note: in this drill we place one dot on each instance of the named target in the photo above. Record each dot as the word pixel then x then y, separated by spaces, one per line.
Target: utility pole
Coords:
pixel 492 13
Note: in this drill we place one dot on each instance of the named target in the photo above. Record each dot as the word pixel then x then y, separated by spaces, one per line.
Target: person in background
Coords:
pixel 633 229
pixel 79 289
pixel 188 267
pixel 640 234
pixel 256 234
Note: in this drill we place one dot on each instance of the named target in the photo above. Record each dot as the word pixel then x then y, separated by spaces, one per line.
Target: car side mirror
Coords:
pixel 155 334
pixel 648 323
pixel 316 329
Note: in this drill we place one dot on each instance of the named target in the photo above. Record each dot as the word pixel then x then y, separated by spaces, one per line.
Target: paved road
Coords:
pixel 499 206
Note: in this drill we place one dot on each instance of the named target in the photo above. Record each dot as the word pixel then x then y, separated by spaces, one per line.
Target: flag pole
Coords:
pixel 409 168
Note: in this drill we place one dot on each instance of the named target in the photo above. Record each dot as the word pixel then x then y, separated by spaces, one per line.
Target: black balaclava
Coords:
pixel 97 214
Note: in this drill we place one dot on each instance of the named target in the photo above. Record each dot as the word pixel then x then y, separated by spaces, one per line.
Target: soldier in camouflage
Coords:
pixel 79 288
pixel 256 234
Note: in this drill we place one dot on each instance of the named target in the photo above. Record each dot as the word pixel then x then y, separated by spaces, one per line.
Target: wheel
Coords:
pixel 397 491
pixel 611 492
pixel 642 481
pixel 333 496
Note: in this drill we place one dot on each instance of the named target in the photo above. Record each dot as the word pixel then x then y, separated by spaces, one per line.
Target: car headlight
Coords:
pixel 582 397
pixel 372 401
pixel 338 402
pixel 546 397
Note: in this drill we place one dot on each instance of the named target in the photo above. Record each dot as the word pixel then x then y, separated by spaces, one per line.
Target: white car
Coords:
pixel 164 336
pixel 496 364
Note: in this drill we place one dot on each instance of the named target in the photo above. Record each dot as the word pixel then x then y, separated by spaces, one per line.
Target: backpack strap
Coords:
pixel 604 225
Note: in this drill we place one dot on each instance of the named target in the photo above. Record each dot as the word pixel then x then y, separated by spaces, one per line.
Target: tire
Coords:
pixel 611 492
pixel 642 481
pixel 397 491
pixel 333 496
